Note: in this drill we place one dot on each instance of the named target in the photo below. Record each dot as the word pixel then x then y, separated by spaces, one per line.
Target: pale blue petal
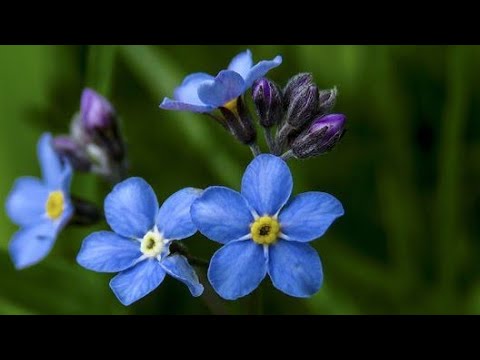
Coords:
pixel 50 162
pixel 138 281
pixel 228 85
pixel 131 208
pixel 169 104
pixel 260 69
pixel 25 204
pixel 295 268
pixel 173 219
pixel 188 91
pixel 66 177
pixel 242 63
pixel 267 184
pixel 31 245
pixel 221 214
pixel 237 269
pixel 178 267
pixel 105 251
pixel 309 215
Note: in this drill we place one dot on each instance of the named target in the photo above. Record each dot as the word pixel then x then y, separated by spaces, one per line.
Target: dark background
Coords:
pixel 407 171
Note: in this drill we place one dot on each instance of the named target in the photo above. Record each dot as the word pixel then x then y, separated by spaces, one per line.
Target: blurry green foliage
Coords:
pixel 407 170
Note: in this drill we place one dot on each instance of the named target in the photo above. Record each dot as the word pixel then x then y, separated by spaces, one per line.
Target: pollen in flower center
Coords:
pixel 55 205
pixel 152 244
pixel 265 230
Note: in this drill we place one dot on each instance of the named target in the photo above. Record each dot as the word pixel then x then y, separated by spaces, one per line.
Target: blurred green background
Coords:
pixel 407 171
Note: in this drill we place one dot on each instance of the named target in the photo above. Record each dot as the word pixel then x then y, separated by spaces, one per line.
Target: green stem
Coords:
pixel 269 139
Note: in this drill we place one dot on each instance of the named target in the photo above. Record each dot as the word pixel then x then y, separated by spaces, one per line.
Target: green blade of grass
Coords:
pixel 448 218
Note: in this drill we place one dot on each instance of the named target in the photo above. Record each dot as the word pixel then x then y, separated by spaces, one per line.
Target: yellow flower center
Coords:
pixel 265 230
pixel 231 105
pixel 152 244
pixel 55 205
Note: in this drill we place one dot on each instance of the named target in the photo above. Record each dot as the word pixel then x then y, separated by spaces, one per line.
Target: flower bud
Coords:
pixel 303 106
pixel 74 152
pixel 326 100
pixel 268 102
pixel 96 112
pixel 239 122
pixel 321 136
pixel 294 84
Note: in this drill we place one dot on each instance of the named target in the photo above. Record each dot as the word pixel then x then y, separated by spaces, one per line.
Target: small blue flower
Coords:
pixel 201 92
pixel 138 247
pixel 264 233
pixel 40 208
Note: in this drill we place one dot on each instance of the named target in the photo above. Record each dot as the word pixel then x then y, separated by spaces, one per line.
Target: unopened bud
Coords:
pixel 268 102
pixel 326 100
pixel 321 136
pixel 96 112
pixel 294 84
pixel 74 152
pixel 303 106
pixel 239 122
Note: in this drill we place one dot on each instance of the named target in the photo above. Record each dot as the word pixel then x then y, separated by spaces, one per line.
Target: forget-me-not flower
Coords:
pixel 41 208
pixel 138 247
pixel 264 233
pixel 201 92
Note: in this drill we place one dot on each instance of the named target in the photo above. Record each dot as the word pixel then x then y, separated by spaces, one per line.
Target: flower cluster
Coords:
pixel 262 229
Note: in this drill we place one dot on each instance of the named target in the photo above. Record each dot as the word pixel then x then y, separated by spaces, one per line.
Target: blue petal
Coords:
pixel 66 177
pixel 221 214
pixel 237 269
pixel 105 251
pixel 131 208
pixel 168 104
pixel 309 215
pixel 178 267
pixel 227 86
pixel 50 162
pixel 188 91
pixel 173 219
pixel 31 245
pixel 242 63
pixel 133 284
pixel 260 69
pixel 25 204
pixel 185 97
pixel 267 184
pixel 295 268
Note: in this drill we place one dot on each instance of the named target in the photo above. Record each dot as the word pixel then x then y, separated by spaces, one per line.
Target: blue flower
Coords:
pixel 201 92
pixel 41 208
pixel 264 233
pixel 138 247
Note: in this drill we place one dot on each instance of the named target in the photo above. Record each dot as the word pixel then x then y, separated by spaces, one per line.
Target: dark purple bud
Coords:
pixel 74 152
pixel 239 121
pixel 268 102
pixel 321 136
pixel 96 112
pixel 326 100
pixel 295 84
pixel 303 106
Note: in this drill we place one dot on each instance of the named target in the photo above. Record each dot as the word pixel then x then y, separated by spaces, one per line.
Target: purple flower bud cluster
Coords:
pixel 301 113
pixel 95 143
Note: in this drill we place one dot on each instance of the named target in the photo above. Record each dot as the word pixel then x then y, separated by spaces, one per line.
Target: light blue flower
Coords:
pixel 138 247
pixel 263 232
pixel 201 92
pixel 41 208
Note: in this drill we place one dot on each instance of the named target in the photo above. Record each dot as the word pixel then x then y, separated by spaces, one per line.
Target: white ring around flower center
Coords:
pixel 152 244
